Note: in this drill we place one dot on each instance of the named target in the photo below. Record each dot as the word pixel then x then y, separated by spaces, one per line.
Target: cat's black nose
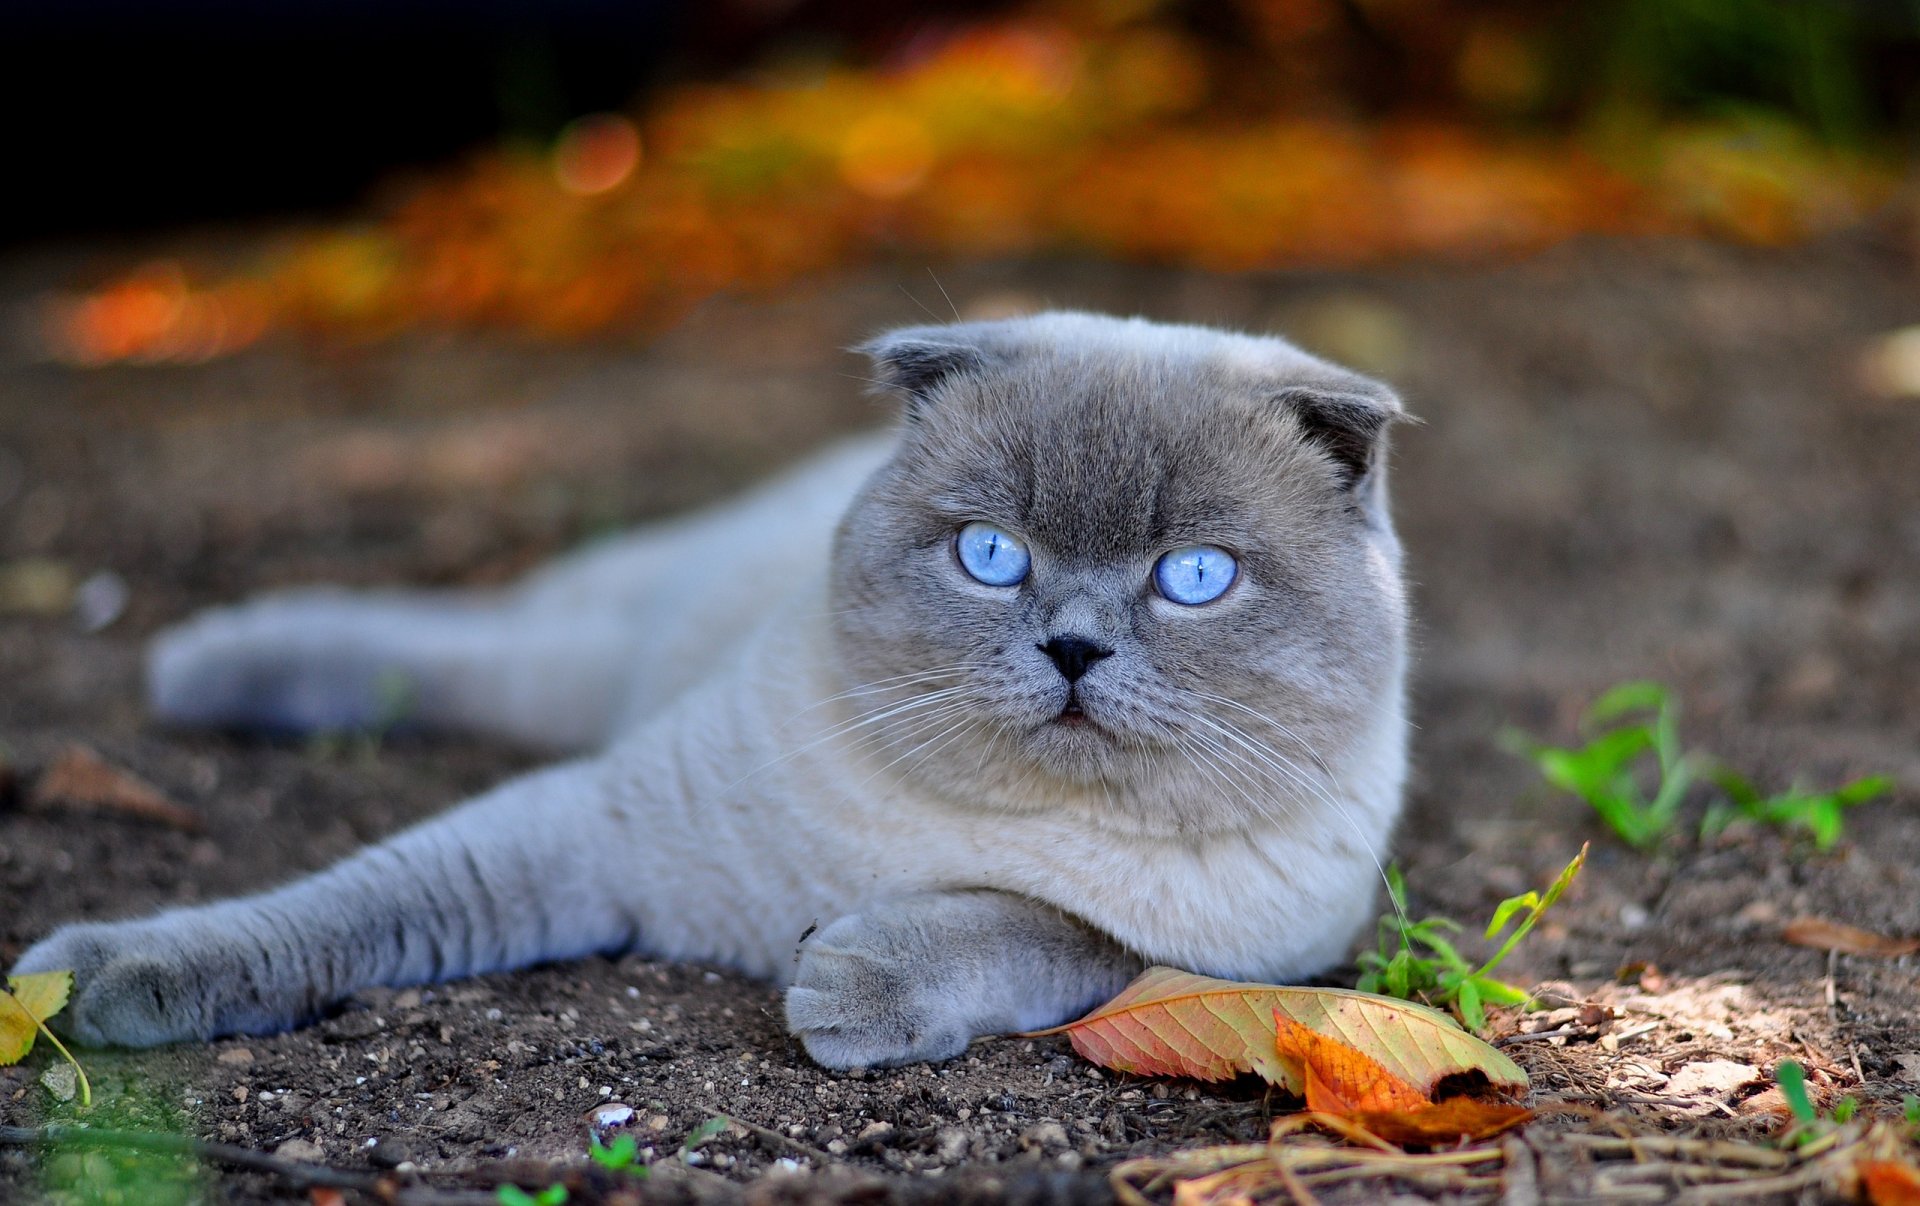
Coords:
pixel 1073 654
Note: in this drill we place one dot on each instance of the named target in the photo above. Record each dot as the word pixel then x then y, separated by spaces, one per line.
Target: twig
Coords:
pixel 770 1134
pixel 1521 1183
pixel 1715 1150
pixel 1561 1032
pixel 296 1173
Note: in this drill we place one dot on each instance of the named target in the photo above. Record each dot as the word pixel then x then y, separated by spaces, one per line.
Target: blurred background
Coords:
pixel 429 291
pixel 577 167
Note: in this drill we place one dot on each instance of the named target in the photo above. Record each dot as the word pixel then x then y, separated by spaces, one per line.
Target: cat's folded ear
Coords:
pixel 1347 418
pixel 912 362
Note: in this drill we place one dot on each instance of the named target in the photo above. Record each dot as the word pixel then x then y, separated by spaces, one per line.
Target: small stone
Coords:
pixel 876 1133
pixel 392 1152
pixel 657 1122
pixel 240 1092
pixel 1909 1062
pixel 235 1055
pixel 950 1145
pixel 59 1080
pixel 1714 1077
pixel 609 1115
pixel 1046 1136
pixel 305 1149
pixel 837 1146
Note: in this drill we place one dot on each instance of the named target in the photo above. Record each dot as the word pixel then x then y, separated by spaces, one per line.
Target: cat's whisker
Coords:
pixel 1337 806
pixel 1229 761
pixel 895 682
pixel 1306 747
pixel 867 719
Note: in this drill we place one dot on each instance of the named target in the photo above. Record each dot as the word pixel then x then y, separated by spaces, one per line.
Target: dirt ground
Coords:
pixel 1638 460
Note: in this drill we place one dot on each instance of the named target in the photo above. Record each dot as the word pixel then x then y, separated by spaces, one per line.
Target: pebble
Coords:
pixel 301 1149
pixel 950 1144
pixel 392 1152
pixel 235 1055
pixel 610 1114
pixel 59 1080
pixel 1046 1136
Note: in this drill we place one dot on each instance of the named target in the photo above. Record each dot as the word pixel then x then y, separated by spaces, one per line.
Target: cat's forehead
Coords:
pixel 1101 456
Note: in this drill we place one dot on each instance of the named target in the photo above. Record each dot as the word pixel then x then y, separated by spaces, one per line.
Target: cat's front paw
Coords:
pixel 131 989
pixel 867 996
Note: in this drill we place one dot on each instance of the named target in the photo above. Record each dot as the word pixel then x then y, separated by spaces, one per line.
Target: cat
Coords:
pixel 1097 660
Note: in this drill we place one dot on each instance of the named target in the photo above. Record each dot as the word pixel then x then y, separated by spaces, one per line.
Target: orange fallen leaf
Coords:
pixel 1445 1122
pixel 1344 1083
pixel 82 777
pixel 1822 934
pixel 1340 1079
pixel 1174 1023
pixel 1890 1182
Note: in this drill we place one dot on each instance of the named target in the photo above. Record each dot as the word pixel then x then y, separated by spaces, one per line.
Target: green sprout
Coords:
pixel 1634 739
pixel 512 1195
pixel 709 1129
pixel 1634 744
pixel 1442 976
pixel 1819 814
pixel 1810 1126
pixel 622 1156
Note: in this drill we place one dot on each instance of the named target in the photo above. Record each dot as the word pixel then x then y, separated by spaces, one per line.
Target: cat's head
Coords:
pixel 1126 564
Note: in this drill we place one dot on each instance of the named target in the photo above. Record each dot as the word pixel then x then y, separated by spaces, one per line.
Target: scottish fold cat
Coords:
pixel 1096 660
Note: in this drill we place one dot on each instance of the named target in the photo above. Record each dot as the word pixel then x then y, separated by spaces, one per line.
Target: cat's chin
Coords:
pixel 1074 746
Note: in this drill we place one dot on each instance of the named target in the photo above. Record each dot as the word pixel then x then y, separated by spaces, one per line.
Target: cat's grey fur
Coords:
pixel 802 724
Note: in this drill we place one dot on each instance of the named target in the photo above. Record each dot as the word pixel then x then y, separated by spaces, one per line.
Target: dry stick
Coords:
pixel 769 1134
pixel 1716 1150
pixel 296 1173
pixel 1537 1036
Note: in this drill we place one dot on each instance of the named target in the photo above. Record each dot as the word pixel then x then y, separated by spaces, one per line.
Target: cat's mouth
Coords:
pixel 1073 715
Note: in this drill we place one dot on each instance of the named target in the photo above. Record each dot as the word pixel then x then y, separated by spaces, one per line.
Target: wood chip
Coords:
pixel 1825 935
pixel 81 778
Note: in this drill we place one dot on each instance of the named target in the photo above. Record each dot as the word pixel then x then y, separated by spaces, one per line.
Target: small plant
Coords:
pixel 1809 1124
pixel 1819 814
pixel 1442 976
pixel 1610 772
pixel 512 1195
pixel 622 1156
pixel 1614 770
pixel 702 1133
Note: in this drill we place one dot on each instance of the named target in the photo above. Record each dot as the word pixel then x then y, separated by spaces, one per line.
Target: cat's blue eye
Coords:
pixel 991 555
pixel 1194 575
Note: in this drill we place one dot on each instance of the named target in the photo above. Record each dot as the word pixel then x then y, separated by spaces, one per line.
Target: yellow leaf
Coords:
pixel 29 1001
pixel 1173 1023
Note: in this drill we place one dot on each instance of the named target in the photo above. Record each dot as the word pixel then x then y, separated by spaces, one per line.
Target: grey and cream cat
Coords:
pixel 1096 661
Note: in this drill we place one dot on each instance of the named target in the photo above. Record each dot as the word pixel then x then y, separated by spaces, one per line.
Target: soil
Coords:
pixel 1641 460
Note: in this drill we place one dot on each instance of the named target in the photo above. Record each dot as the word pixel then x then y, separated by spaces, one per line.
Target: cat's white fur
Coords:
pixel 741 797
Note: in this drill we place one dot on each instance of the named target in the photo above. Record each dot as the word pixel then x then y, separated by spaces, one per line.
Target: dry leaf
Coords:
pixel 1445 1122
pixel 80 776
pixel 1890 1182
pixel 321 1196
pixel 26 1002
pixel 1339 1079
pixel 1173 1023
pixel 1821 934
pixel 1342 1082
